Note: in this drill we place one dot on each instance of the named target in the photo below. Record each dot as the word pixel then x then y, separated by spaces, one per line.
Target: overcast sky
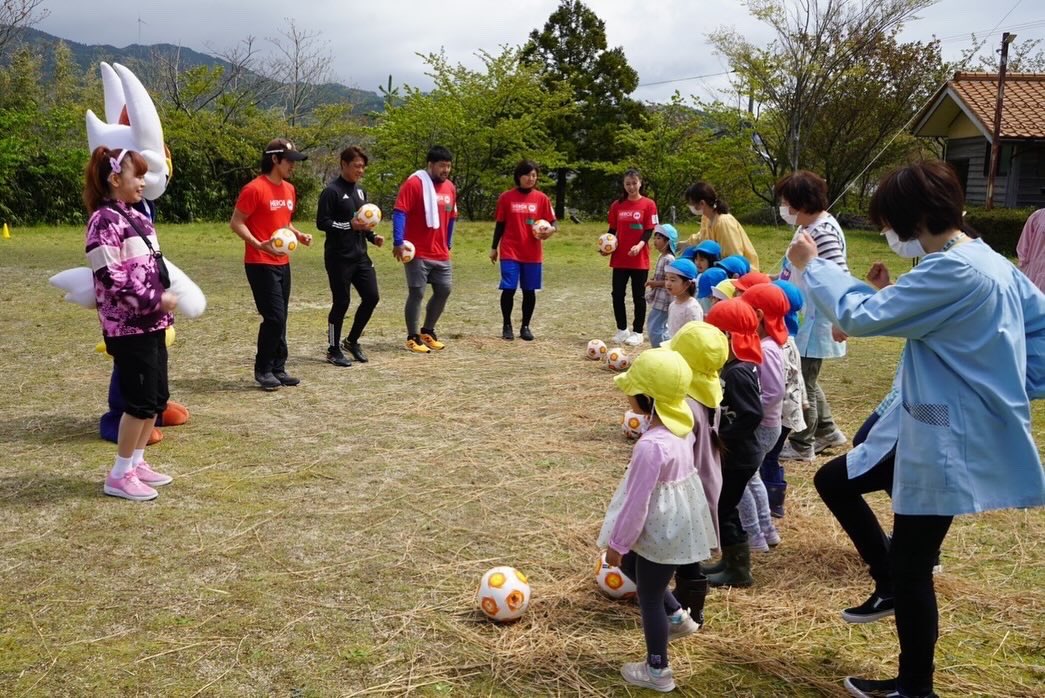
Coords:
pixel 664 40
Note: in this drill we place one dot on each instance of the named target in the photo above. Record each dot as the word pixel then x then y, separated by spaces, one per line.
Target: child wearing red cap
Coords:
pixel 770 302
pixel 741 415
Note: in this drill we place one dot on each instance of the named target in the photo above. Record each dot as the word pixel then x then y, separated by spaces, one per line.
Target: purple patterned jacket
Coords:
pixel 127 284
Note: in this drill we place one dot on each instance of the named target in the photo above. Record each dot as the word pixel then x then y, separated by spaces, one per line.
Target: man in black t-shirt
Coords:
pixel 345 255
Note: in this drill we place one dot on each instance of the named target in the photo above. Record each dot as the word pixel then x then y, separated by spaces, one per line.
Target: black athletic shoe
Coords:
pixel 875 608
pixel 525 333
pixel 871 688
pixel 267 381
pixel 357 352
pixel 285 379
pixel 334 356
pixel 506 332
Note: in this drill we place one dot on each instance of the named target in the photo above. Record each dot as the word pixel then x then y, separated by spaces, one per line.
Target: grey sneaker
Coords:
pixel 639 674
pixel 789 452
pixel 835 439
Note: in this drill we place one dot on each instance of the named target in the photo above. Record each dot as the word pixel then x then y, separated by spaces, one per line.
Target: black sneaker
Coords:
pixel 267 381
pixel 334 356
pixel 525 333
pixel 357 352
pixel 506 332
pixel 285 379
pixel 875 608
pixel 871 688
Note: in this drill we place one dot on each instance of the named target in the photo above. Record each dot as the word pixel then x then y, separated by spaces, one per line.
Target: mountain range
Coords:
pixel 87 57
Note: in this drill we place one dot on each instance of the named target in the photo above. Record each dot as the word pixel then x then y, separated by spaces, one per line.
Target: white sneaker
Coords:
pixel 621 336
pixel 788 452
pixel 638 674
pixel 832 440
pixel 681 625
pixel 757 543
pixel 634 339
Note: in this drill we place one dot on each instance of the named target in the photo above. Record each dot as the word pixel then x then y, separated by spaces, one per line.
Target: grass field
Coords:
pixel 327 539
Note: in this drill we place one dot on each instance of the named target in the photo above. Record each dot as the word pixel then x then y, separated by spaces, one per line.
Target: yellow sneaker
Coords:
pixel 416 346
pixel 431 341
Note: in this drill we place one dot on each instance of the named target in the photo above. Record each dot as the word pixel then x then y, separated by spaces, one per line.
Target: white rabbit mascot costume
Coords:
pixel 131 122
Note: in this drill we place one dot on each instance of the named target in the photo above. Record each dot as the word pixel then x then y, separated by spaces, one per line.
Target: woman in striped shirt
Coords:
pixel 803 203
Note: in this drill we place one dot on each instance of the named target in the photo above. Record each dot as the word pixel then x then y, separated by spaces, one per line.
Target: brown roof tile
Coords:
pixel 1023 112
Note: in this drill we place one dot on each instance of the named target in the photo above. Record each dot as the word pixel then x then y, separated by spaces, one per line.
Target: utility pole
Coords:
pixel 1006 39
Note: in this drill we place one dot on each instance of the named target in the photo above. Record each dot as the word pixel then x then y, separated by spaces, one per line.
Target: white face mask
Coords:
pixel 908 249
pixel 695 211
pixel 789 218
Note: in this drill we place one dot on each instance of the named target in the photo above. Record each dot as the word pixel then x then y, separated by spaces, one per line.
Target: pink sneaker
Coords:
pixel 129 487
pixel 150 477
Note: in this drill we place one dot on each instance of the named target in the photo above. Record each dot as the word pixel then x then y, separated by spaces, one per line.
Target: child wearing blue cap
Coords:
pixel 680 280
pixel 735 266
pixel 704 254
pixel 707 281
pixel 665 239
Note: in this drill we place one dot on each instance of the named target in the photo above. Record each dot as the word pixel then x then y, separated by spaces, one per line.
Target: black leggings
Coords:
pixel 637 278
pixel 902 566
pixel 655 602
pixel 508 304
pixel 343 276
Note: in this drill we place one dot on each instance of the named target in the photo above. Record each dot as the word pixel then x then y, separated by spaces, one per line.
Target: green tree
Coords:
pixel 572 51
pixel 489 118
pixel 832 89
pixel 669 145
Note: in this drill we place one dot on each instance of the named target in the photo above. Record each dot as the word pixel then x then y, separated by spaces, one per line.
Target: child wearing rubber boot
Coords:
pixel 741 415
pixel 659 510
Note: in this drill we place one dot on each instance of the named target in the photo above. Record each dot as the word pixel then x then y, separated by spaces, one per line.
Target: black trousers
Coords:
pixel 343 276
pixel 270 284
pixel 734 481
pixel 637 278
pixel 845 499
pixel 903 565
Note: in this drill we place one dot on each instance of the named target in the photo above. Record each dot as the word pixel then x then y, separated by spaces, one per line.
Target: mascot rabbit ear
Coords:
pixel 125 94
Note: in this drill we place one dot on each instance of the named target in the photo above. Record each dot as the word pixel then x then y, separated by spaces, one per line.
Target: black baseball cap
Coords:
pixel 285 149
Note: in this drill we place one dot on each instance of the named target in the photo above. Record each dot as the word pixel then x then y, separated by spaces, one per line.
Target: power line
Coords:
pixel 683 79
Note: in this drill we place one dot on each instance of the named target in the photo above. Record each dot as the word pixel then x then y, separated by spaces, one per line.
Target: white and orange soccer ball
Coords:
pixel 541 228
pixel 369 214
pixel 408 251
pixel 634 424
pixel 504 594
pixel 607 243
pixel 612 582
pixel 596 350
pixel 284 241
pixel 617 359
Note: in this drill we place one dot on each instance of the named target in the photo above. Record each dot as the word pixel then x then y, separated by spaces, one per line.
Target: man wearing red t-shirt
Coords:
pixel 632 219
pixel 265 205
pixel 520 245
pixel 424 215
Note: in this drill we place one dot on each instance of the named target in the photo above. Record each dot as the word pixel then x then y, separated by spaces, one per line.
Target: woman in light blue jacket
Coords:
pixel 973 361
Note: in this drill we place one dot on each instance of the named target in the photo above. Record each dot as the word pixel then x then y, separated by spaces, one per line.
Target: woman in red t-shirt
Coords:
pixel 632 219
pixel 519 245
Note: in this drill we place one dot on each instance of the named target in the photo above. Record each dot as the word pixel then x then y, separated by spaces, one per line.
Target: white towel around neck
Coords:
pixel 430 200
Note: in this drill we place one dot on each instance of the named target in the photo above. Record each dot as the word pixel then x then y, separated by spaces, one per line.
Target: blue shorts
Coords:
pixel 512 272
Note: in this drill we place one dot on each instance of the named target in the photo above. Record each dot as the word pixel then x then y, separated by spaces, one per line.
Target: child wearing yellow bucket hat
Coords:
pixel 705 349
pixel 659 511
